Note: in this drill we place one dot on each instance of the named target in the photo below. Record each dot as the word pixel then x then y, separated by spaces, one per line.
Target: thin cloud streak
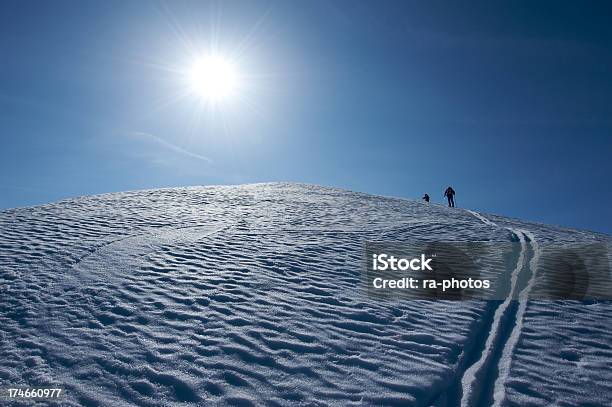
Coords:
pixel 169 145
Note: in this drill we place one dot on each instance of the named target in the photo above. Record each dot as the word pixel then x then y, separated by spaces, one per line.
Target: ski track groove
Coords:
pixel 506 358
pixel 477 372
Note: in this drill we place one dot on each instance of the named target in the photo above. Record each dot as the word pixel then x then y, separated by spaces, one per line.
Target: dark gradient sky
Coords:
pixel 509 103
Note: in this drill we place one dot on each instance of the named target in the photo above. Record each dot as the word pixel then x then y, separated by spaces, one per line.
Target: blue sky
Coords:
pixel 511 104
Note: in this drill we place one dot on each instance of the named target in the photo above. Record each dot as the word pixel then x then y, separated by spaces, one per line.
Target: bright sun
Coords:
pixel 213 78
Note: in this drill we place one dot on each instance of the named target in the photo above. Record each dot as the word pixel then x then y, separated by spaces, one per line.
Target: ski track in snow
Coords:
pixel 251 295
pixel 482 369
pixel 506 358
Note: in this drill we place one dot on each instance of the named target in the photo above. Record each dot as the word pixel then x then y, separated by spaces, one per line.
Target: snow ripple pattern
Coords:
pixel 250 295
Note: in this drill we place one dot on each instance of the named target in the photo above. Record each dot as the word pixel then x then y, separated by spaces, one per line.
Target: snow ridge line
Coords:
pixel 144 233
pixel 118 253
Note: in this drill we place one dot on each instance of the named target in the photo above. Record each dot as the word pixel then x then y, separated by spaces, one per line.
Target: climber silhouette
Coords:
pixel 426 198
pixel 450 195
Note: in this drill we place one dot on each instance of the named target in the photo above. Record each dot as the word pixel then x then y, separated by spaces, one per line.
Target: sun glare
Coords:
pixel 213 78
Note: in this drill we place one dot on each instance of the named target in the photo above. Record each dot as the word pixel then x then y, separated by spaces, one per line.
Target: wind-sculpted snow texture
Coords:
pixel 250 295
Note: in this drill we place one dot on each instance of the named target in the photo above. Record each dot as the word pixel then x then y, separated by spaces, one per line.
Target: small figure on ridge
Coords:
pixel 450 195
pixel 426 198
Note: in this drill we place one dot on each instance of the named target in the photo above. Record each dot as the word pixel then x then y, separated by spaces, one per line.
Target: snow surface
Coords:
pixel 251 295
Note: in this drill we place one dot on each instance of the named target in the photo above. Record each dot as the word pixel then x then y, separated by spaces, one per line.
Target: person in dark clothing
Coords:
pixel 426 198
pixel 450 195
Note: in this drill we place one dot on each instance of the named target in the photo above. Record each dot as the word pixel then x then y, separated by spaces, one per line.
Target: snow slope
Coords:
pixel 250 295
